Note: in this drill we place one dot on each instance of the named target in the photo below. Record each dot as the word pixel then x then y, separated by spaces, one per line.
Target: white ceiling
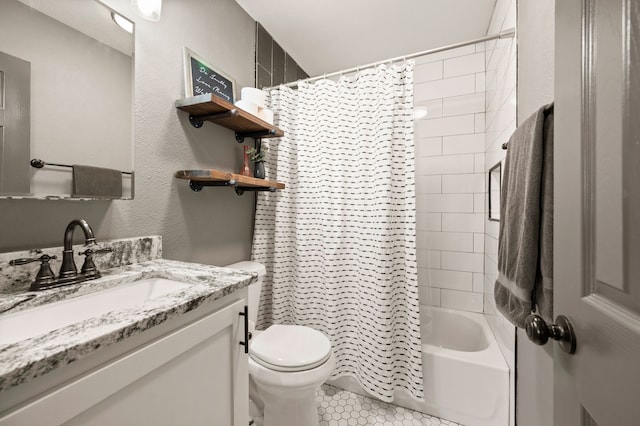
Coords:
pixel 329 35
pixel 88 17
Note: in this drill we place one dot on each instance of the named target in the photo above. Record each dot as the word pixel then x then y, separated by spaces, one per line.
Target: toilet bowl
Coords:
pixel 287 365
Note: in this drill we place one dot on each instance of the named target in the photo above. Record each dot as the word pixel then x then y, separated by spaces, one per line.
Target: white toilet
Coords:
pixel 287 364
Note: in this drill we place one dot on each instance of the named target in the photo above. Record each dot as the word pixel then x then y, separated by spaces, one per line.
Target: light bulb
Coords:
pixel 149 9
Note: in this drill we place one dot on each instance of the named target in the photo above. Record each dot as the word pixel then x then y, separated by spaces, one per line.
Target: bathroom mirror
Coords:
pixel 66 98
pixel 495 176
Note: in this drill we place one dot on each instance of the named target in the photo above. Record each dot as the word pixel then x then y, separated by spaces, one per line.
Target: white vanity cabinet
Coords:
pixel 191 370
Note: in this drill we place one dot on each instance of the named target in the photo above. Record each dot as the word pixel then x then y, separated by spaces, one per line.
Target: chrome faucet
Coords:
pixel 68 270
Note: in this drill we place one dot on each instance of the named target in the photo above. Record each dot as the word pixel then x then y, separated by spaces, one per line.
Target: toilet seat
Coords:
pixel 290 348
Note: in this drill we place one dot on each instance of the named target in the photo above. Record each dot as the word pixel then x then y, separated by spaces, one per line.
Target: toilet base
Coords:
pixel 298 410
pixel 276 406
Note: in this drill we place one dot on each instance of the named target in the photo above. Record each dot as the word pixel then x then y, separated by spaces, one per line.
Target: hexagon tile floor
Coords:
pixel 337 407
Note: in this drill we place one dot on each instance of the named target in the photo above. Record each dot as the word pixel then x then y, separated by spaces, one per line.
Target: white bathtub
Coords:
pixel 466 378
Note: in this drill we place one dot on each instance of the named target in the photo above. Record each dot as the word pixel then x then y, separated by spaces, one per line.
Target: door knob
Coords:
pixel 562 331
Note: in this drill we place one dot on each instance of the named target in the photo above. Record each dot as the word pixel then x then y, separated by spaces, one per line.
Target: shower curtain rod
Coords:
pixel 508 33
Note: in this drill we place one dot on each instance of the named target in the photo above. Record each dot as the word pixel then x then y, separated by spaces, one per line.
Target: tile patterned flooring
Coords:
pixel 337 407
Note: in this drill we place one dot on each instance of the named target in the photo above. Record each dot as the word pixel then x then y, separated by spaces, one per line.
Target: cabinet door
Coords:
pixel 196 375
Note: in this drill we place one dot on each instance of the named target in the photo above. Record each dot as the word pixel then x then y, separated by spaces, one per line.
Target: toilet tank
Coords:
pixel 254 289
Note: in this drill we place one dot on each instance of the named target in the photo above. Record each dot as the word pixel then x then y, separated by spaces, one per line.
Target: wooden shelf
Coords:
pixel 211 177
pixel 211 108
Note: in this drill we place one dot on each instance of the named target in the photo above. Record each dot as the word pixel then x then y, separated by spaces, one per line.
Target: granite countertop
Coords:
pixel 30 358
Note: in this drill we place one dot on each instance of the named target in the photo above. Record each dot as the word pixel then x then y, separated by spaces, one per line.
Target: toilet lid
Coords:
pixel 290 348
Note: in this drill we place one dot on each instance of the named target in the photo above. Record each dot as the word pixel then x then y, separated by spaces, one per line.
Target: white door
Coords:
pixel 597 211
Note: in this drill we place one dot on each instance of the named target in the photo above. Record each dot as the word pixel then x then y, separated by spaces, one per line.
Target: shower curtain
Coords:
pixel 339 242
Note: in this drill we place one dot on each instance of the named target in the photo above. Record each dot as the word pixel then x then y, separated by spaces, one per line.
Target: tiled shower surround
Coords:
pixel 500 124
pixel 450 144
pixel 470 96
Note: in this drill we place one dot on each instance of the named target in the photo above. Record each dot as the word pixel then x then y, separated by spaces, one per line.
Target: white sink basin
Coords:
pixel 46 318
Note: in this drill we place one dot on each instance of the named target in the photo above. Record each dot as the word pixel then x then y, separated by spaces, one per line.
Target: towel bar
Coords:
pixel 38 164
pixel 547 109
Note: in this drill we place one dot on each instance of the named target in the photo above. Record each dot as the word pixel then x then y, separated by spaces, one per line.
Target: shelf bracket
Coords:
pixel 241 189
pixel 198 120
pixel 196 186
pixel 255 135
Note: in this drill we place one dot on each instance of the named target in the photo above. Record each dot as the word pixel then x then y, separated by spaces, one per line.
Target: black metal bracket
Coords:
pixel 254 135
pixel 241 189
pixel 197 185
pixel 198 120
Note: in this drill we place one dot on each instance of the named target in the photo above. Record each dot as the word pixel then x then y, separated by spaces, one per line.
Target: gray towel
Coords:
pixel 525 253
pixel 96 182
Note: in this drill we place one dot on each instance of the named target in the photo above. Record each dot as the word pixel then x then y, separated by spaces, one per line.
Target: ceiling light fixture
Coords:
pixel 122 22
pixel 149 9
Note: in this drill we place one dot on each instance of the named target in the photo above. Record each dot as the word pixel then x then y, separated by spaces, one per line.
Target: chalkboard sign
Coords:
pixel 202 78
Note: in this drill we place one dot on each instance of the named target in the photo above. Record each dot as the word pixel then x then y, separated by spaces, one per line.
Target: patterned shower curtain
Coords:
pixel 339 242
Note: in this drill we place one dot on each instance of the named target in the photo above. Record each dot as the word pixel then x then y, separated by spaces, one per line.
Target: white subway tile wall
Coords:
pixel 450 164
pixel 446 87
pixel 463 183
pixel 470 96
pixel 463 222
pixel 499 124
pixel 464 65
pixel 464 300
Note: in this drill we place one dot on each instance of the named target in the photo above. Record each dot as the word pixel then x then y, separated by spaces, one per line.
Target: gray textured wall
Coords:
pixel 213 226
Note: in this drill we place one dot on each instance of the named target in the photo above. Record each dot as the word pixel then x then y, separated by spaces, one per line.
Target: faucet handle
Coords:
pixel 24 260
pixel 45 276
pixel 91 252
pixel 88 267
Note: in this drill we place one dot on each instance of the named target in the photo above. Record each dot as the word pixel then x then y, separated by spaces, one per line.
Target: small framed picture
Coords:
pixel 201 78
pixel 495 180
